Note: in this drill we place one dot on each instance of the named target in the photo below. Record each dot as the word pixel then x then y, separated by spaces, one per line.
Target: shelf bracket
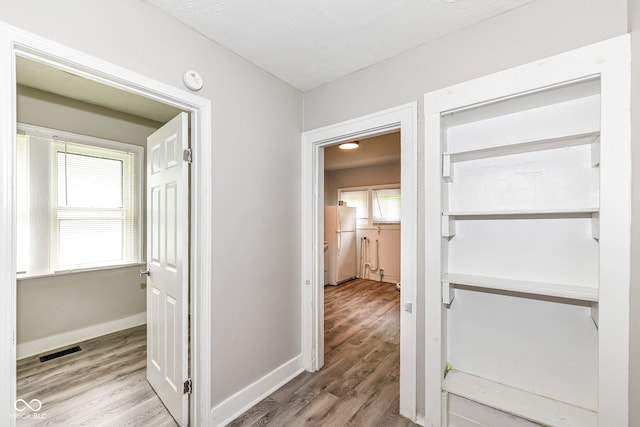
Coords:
pixel 448 293
pixel 595 153
pixel 595 315
pixel 448 226
pixel 595 225
pixel 447 168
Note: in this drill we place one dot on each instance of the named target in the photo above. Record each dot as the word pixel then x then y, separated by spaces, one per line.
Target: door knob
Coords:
pixel 146 272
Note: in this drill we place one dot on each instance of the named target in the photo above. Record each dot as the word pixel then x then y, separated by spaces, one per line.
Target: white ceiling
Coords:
pixel 53 80
pixel 307 43
pixel 376 150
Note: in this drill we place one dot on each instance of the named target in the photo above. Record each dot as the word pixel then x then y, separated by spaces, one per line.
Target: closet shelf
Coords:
pixel 531 406
pixel 583 293
pixel 525 146
pixel 569 212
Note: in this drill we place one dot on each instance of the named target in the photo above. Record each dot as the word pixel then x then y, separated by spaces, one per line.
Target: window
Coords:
pixel 83 202
pixel 375 205
pixel 360 200
pixel 386 205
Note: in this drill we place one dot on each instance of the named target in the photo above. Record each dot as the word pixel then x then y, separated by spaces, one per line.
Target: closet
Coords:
pixel 527 244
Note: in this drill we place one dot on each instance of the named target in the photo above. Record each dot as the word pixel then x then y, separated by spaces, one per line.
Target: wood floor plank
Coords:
pixel 359 384
pixel 103 384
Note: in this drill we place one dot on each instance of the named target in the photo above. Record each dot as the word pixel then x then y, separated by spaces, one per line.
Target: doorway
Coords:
pixel 404 120
pixel 21 44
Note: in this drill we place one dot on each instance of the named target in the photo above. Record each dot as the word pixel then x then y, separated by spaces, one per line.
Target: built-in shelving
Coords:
pixel 448 227
pixel 582 293
pixel 524 146
pixel 449 158
pixel 568 212
pixel 524 404
pixel 526 231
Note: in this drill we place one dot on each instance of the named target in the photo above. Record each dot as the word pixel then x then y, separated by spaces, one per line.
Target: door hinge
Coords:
pixel 188 386
pixel 187 155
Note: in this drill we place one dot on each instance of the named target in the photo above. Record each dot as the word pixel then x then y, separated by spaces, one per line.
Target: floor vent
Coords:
pixel 59 354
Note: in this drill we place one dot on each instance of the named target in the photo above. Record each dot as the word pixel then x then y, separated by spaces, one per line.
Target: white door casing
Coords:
pixel 403 118
pixel 15 41
pixel 168 265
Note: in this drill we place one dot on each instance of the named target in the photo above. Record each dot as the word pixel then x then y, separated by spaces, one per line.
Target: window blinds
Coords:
pixel 92 206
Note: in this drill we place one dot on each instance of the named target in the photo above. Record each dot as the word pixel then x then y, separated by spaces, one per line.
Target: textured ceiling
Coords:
pixel 310 42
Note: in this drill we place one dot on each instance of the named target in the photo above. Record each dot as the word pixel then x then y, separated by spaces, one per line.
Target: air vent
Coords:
pixel 59 354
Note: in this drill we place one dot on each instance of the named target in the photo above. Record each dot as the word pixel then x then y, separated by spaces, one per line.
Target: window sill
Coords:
pixel 376 227
pixel 76 271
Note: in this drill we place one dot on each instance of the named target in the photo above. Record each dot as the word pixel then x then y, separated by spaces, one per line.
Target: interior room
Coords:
pixel 517 302
pixel 81 302
pixel 366 178
pixel 362 268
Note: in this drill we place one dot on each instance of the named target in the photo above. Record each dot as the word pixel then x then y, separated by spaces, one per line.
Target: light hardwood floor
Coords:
pixel 102 385
pixel 359 384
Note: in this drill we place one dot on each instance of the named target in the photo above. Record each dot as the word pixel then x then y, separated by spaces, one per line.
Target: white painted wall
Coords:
pixel 45 109
pixel 256 170
pixel 358 177
pixel 536 30
pixel 634 298
pixel 54 311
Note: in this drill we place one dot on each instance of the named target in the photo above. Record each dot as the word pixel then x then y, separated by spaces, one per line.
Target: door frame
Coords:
pixel 403 118
pixel 13 42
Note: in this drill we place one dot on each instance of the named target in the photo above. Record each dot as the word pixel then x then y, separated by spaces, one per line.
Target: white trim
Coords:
pixel 78 138
pixel 403 118
pixel 235 405
pixel 53 342
pixel 608 59
pixel 15 41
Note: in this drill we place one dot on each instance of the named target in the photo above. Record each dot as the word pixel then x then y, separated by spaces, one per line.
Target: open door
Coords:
pixel 168 266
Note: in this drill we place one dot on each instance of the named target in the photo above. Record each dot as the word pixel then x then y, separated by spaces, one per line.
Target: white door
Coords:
pixel 168 265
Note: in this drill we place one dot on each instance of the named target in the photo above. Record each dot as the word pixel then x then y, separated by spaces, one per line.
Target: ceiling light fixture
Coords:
pixel 349 145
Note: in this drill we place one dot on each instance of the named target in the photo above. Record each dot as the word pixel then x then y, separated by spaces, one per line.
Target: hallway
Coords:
pixel 358 385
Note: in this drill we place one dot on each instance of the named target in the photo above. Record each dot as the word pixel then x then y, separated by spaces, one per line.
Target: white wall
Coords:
pixel 536 30
pixel 45 109
pixel 53 310
pixel 357 177
pixel 634 330
pixel 256 170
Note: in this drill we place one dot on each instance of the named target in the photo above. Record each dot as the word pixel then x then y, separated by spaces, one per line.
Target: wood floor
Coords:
pixel 359 384
pixel 102 385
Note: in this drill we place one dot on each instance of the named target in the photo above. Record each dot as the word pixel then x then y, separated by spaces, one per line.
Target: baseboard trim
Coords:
pixel 229 409
pixel 34 347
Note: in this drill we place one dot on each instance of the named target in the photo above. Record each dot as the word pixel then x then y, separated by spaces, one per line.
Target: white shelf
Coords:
pixel 583 293
pixel 526 212
pixel 524 146
pixel 524 404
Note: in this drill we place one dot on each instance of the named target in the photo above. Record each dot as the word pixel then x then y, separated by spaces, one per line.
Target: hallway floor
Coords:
pixel 359 383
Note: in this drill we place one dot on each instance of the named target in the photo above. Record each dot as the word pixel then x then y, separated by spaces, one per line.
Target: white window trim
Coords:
pixel 371 224
pixel 138 166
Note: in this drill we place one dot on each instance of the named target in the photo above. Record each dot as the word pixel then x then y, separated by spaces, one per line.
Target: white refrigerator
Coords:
pixel 341 262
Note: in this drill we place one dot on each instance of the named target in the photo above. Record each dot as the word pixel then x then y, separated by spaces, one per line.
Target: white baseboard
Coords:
pixel 42 345
pixel 226 411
